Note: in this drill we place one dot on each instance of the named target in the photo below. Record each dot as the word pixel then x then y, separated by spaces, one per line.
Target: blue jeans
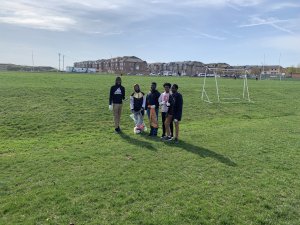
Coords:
pixel 153 131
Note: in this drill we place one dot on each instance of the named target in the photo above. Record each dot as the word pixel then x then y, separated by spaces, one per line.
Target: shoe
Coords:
pixel 176 140
pixel 166 138
pixel 162 136
pixel 118 130
pixel 169 139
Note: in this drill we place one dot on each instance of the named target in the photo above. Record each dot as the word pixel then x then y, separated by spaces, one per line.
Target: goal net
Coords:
pixel 216 89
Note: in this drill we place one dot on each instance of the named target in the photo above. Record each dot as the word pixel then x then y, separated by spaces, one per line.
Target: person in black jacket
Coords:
pixel 153 103
pixel 137 107
pixel 175 105
pixel 137 100
pixel 116 97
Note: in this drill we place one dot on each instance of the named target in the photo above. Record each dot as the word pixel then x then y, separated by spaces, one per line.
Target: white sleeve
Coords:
pixel 131 103
pixel 160 98
pixel 144 102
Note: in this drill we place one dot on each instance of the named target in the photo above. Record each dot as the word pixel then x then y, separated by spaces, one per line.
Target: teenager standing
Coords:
pixel 153 105
pixel 137 107
pixel 116 97
pixel 175 105
pixel 163 100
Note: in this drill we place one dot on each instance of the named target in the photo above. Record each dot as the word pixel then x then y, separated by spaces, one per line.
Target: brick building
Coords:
pixel 126 65
pixel 185 68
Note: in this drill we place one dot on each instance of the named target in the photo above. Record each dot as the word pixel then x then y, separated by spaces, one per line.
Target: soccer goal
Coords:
pixel 224 93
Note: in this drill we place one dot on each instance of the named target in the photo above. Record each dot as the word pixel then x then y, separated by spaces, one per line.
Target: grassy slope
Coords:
pixel 60 161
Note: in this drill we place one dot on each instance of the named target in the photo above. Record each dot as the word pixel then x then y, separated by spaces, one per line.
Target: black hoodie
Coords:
pixel 117 94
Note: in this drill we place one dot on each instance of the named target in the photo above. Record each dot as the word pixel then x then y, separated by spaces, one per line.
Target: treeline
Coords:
pixel 13 67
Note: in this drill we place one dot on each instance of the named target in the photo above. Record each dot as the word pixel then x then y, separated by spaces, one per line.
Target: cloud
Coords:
pixel 24 13
pixel 222 3
pixel 45 22
pixel 284 43
pixel 193 33
pixel 64 15
pixel 283 5
pixel 211 36
pixel 273 22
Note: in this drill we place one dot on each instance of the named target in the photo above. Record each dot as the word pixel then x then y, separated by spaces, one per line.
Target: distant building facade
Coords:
pixel 295 75
pixel 272 70
pixel 126 65
pixel 185 68
pixel 134 65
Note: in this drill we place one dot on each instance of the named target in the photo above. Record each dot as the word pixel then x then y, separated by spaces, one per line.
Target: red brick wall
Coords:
pixel 296 75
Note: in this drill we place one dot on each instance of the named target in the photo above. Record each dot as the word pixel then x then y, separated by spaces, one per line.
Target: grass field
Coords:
pixel 61 163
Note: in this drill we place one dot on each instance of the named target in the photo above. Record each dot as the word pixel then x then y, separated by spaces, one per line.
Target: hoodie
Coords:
pixel 117 94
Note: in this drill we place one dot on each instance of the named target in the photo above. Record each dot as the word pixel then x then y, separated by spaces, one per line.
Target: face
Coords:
pixel 174 90
pixel 136 87
pixel 167 89
pixel 118 81
pixel 153 87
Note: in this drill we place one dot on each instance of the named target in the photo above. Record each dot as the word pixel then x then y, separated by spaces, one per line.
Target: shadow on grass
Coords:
pixel 203 152
pixel 138 143
pixel 151 138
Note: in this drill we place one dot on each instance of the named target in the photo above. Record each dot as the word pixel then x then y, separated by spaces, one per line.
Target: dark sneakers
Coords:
pixel 169 139
pixel 118 130
pixel 166 138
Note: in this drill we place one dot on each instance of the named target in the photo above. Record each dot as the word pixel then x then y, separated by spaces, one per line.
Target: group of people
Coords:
pixel 170 103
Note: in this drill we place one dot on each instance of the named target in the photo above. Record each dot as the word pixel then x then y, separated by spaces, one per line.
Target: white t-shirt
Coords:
pixel 163 99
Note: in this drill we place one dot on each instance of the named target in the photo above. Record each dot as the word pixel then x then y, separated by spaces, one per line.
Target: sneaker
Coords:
pixel 169 139
pixel 166 138
pixel 118 130
pixel 176 140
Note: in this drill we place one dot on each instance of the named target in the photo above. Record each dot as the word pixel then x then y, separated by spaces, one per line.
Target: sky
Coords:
pixel 237 32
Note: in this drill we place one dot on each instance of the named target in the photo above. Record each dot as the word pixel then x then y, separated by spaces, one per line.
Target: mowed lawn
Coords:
pixel 61 162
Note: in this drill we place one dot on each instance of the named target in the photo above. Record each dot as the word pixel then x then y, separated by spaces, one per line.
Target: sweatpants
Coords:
pixel 117 109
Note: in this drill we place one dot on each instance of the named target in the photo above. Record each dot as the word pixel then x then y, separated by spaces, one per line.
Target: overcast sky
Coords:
pixel 237 32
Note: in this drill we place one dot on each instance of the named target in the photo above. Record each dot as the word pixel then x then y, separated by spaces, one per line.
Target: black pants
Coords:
pixel 163 118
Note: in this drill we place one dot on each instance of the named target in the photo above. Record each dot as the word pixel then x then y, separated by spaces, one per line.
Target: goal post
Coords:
pixel 219 94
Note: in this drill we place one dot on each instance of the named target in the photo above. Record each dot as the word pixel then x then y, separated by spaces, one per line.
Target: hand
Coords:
pixel 162 103
pixel 168 104
pixel 152 106
pixel 110 107
pixel 176 120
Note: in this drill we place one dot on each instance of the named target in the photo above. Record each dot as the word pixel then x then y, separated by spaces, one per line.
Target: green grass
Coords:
pixel 60 161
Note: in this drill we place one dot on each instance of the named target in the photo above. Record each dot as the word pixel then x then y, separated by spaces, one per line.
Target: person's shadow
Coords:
pixel 203 152
pixel 139 143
